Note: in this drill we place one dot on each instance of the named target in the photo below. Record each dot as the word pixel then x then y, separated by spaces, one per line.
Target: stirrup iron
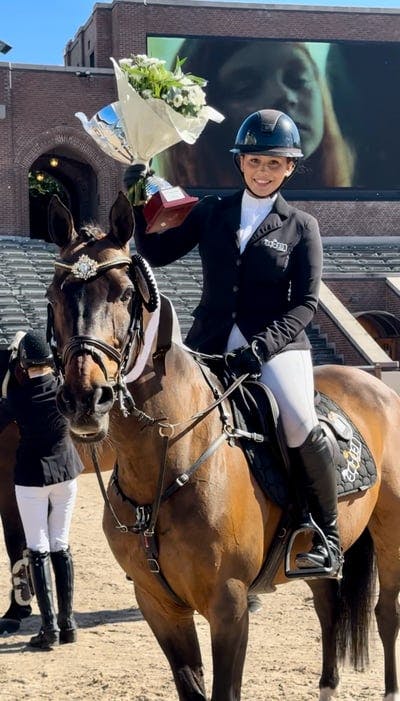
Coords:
pixel 311 572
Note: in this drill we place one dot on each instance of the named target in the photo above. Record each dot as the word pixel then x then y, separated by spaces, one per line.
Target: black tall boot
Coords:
pixel 320 483
pixel 48 637
pixel 64 574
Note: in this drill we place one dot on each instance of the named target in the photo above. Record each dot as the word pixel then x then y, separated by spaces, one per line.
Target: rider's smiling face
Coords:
pixel 264 174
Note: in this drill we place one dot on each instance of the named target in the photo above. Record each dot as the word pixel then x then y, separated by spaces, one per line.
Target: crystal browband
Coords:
pixel 85 267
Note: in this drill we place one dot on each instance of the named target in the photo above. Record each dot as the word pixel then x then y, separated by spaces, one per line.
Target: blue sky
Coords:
pixel 40 30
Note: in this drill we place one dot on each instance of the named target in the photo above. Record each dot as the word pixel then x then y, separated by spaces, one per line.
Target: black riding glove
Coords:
pixel 245 360
pixel 134 173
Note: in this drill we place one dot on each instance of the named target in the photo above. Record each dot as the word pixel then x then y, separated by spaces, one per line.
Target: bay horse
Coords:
pixel 209 526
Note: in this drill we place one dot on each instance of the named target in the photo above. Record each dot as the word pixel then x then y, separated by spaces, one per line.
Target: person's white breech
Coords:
pixel 44 531
pixel 289 375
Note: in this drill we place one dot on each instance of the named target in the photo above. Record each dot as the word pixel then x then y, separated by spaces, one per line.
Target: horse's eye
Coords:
pixel 126 296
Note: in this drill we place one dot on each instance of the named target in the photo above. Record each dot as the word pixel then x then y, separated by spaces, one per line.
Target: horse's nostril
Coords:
pixel 103 398
pixel 65 402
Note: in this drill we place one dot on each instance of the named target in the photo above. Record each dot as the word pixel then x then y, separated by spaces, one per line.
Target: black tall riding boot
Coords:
pixel 64 575
pixel 320 483
pixel 48 637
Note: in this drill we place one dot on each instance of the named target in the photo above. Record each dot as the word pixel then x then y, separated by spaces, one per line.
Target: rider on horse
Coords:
pixel 262 265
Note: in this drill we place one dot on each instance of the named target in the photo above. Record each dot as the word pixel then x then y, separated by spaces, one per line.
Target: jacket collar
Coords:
pixel 274 220
pixel 280 212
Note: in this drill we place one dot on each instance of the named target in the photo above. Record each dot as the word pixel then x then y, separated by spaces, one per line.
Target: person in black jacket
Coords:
pixel 262 263
pixel 47 465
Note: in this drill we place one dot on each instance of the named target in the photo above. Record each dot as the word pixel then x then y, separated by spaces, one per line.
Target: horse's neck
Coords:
pixel 175 386
pixel 171 391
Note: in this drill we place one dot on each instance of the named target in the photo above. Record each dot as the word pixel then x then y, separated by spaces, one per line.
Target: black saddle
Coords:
pixel 256 418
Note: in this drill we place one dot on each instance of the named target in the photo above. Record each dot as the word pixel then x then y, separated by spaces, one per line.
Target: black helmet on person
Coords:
pixel 34 350
pixel 268 132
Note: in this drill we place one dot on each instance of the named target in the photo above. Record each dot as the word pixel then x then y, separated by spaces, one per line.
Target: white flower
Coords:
pixel 156 62
pixel 177 101
pixel 151 79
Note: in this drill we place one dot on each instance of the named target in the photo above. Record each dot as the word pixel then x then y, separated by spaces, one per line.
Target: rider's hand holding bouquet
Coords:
pixel 157 108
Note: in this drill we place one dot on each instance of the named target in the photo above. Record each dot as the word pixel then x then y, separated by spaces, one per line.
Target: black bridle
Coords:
pixel 84 269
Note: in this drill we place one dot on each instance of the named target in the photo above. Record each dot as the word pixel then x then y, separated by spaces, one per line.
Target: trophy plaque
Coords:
pixel 167 208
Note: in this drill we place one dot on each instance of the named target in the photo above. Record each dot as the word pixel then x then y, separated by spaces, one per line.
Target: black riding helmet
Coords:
pixel 34 350
pixel 269 133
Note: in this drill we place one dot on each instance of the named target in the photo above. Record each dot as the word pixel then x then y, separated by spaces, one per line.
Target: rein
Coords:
pixel 166 432
pixel 147 515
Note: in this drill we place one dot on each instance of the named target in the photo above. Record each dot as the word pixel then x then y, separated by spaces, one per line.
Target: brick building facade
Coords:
pixel 38 104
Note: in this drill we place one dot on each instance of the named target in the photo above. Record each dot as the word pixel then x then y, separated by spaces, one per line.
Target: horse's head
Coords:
pixel 94 309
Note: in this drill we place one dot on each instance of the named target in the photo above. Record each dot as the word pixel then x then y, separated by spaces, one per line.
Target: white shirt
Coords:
pixel 253 212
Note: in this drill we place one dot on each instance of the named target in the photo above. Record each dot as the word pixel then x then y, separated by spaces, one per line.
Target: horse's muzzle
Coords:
pixel 87 411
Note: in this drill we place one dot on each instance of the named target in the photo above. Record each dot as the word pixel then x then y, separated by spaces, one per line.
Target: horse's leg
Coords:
pixel 12 527
pixel 325 595
pixel 229 624
pixel 15 544
pixel 384 527
pixel 176 634
pixel 387 614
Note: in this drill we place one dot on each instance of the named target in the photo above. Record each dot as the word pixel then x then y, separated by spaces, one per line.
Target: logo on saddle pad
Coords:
pixel 353 451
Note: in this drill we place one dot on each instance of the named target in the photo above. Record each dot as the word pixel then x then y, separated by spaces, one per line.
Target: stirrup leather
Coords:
pixel 332 569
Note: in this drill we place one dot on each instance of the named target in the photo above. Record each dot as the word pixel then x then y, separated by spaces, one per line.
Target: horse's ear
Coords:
pixel 61 225
pixel 121 220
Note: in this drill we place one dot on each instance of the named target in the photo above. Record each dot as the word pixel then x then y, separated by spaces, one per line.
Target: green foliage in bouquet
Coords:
pixel 183 92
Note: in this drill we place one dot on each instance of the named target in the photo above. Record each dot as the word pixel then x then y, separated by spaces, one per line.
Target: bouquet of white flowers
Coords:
pixel 151 79
pixel 156 109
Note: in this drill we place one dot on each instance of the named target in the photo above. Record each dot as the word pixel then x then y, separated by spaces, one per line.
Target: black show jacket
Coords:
pixel 270 290
pixel 46 453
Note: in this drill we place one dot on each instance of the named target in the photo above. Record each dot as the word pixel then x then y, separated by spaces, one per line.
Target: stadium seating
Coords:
pixel 27 268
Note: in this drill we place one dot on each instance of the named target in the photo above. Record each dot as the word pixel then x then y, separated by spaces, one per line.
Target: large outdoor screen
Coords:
pixel 344 97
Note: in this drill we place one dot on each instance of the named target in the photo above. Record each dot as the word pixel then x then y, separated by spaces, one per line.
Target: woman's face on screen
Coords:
pixel 274 75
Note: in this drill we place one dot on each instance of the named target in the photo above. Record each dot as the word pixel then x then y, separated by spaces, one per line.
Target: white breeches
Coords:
pixel 47 529
pixel 289 375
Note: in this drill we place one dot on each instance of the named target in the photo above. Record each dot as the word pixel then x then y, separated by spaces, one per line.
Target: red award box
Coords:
pixel 167 208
